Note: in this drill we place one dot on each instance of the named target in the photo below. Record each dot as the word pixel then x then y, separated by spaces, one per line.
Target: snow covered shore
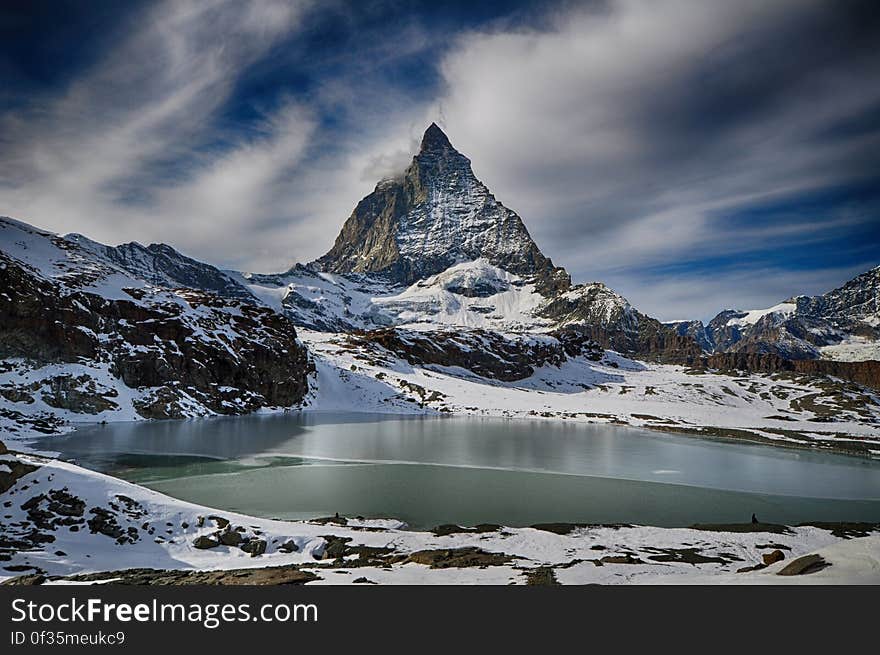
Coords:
pixel 65 524
pixel 783 410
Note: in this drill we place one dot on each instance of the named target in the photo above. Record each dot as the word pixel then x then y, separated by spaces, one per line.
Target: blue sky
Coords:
pixel 692 155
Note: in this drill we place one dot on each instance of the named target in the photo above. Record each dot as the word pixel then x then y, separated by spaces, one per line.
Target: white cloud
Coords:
pixel 620 132
pixel 73 164
pixel 623 132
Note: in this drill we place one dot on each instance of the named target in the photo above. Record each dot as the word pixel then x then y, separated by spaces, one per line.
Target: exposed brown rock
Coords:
pixel 266 365
pixel 772 557
pixel 204 542
pixel 486 353
pixel 543 576
pixel 866 373
pixel 275 575
pixel 459 558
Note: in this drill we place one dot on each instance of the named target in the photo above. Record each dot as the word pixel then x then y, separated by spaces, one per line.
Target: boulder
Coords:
pixel 804 565
pixel 288 546
pixel 220 521
pixel 335 547
pixel 773 557
pixel 254 547
pixel 230 538
pixel 620 559
pixel 204 542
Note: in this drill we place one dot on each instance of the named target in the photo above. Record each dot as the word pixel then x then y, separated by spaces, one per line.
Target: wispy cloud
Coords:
pixel 130 147
pixel 629 134
pixel 635 137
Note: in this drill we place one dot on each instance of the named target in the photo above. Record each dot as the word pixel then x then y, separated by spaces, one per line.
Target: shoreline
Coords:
pixel 69 521
pixel 705 432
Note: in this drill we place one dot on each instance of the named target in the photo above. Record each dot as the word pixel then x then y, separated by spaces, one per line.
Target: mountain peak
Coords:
pixel 435 139
pixel 435 215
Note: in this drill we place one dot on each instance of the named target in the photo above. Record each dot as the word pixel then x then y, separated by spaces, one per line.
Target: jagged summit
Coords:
pixel 435 139
pixel 435 215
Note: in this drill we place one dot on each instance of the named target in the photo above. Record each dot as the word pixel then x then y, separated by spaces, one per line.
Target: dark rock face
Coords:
pixel 17 470
pixel 804 565
pixel 466 557
pixel 436 214
pixel 80 394
pixel 722 335
pixel 205 542
pixel 254 547
pixel 696 331
pixel 270 575
pixel 485 353
pixel 864 373
pixel 609 320
pixel 232 357
pixel 772 557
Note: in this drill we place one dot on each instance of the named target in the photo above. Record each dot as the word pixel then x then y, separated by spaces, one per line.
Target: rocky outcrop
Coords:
pixel 772 557
pixel 696 331
pixel 12 469
pixel 269 575
pixel 864 373
pixel 205 542
pixel 485 353
pixel 182 350
pixel 804 565
pixel 608 319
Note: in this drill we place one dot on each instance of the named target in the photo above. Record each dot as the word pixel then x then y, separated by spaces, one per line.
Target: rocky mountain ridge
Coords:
pixel 83 339
pixel 842 324
pixel 434 247
pixel 161 265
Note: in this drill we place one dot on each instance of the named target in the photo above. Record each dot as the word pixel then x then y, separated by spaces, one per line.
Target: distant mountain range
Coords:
pixel 843 324
pixel 434 247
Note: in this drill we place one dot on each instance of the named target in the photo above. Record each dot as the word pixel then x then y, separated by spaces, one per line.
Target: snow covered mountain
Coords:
pixel 83 338
pixel 485 323
pixel 433 248
pixel 843 324
pixel 161 265
pixel 435 215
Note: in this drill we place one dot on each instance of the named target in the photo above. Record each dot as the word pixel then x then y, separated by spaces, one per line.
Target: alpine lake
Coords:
pixel 429 471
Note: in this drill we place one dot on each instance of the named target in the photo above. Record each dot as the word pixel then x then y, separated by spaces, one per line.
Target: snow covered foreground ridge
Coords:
pixel 64 524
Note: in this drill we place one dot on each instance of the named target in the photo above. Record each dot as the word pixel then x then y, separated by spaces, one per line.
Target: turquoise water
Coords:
pixel 428 471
